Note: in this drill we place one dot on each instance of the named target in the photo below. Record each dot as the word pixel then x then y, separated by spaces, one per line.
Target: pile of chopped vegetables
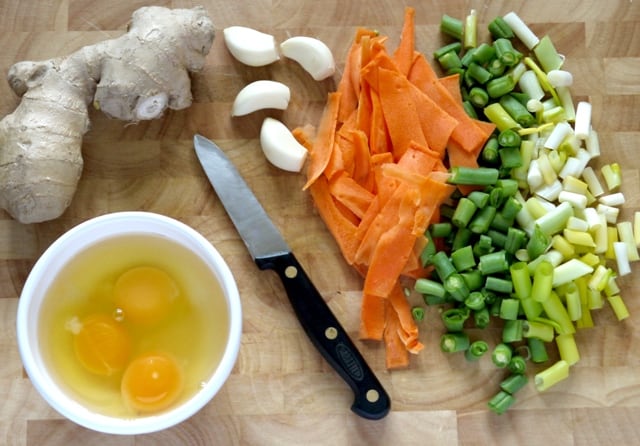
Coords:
pixel 478 185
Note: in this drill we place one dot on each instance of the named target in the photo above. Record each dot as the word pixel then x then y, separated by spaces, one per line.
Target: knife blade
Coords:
pixel 270 251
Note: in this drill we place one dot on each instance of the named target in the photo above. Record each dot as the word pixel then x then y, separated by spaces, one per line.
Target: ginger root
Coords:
pixel 134 77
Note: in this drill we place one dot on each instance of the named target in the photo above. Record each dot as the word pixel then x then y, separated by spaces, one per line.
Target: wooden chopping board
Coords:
pixel 281 392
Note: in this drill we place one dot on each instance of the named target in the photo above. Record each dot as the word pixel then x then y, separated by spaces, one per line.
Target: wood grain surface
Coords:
pixel 281 392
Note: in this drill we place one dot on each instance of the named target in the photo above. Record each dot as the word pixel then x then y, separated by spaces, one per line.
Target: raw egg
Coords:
pixel 144 294
pixel 152 382
pixel 102 345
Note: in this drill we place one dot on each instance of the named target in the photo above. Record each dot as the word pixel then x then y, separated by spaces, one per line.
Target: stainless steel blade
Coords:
pixel 247 214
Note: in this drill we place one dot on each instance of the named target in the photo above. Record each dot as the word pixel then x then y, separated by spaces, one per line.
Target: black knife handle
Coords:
pixel 328 336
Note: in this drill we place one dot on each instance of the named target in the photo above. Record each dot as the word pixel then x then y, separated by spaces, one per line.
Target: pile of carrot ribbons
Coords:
pixel 378 170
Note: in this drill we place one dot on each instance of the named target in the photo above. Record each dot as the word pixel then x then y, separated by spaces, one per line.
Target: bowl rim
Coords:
pixel 46 385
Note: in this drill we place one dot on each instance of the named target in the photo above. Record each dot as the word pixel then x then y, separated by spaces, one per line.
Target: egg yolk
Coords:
pixel 152 382
pixel 102 345
pixel 144 294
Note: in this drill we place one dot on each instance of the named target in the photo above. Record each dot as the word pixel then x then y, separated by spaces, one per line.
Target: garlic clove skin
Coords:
pixel 260 95
pixel 280 147
pixel 312 54
pixel 251 47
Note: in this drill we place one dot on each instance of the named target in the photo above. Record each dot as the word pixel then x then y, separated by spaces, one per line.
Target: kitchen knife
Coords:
pixel 270 251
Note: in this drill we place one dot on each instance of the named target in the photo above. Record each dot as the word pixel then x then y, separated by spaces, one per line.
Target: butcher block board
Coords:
pixel 281 392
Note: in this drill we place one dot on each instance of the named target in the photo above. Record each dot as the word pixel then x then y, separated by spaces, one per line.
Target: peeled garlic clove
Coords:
pixel 251 47
pixel 259 95
pixel 314 56
pixel 280 146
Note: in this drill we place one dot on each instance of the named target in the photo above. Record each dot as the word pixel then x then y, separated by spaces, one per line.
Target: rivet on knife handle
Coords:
pixel 371 400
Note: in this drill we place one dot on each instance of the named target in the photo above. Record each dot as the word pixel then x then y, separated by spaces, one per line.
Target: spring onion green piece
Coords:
pixel 530 85
pixel 547 55
pixel 508 307
pixel 479 176
pixel 555 220
pixel 499 116
pixel 521 30
pixel 517 366
pixel 569 271
pixel 573 303
pixel 618 306
pixel 501 402
pixel 454 342
pixel 536 329
pixel 470 32
pixel 625 235
pixel 538 243
pixel 538 350
pixel 499 28
pixel 521 280
pixel 567 348
pixel 557 312
pixel 476 350
pixel 452 27
pixel 552 375
pixel 512 330
pixel 542 281
pixel 501 355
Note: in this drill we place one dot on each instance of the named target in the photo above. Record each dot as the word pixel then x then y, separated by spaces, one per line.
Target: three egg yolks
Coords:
pixel 152 381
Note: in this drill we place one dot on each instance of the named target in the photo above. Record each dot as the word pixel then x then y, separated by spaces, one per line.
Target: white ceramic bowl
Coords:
pixel 51 262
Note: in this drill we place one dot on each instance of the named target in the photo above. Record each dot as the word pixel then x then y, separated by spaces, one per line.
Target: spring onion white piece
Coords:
pixel 615 199
pixel 534 175
pixel 636 227
pixel 577 224
pixel 260 95
pixel 550 192
pixel 622 258
pixel 592 143
pixel 560 78
pixel 569 271
pixel 612 175
pixel 625 235
pixel 592 219
pixel 610 212
pixel 571 183
pixel 566 101
pixel 555 221
pixel 601 235
pixel 250 46
pixel 590 177
pixel 582 125
pixel 561 131
pixel 573 167
pixel 521 30
pixel 280 147
pixel 578 201
pixel 530 85
pixel 579 238
pixel 312 54
pixel 547 55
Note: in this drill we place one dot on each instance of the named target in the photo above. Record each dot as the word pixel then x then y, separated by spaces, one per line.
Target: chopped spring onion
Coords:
pixel 521 30
pixel 582 125
pixel 567 348
pixel 551 375
pixel 560 78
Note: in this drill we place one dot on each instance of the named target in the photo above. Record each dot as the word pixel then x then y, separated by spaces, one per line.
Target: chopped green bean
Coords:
pixel 464 212
pixel 463 258
pixel 456 287
pixel 517 365
pixel 500 29
pixel 501 402
pixel 473 278
pixel 516 239
pixel 454 318
pixel 538 350
pixel 505 51
pixel 512 330
pixel 475 301
pixel 450 61
pixel 514 382
pixel 499 86
pixel 482 220
pixel 443 265
pixel 501 355
pixel 482 317
pixel 417 313
pixel 494 262
pixel 479 176
pixel 461 238
pixel 478 73
pixel 478 97
pixel 509 138
pixel 452 26
pixel 440 229
pixel 484 53
pixel 479 198
pixel 490 154
pixel 476 350
pixel 428 286
pixel 454 342
pixel 456 47
pixel 517 110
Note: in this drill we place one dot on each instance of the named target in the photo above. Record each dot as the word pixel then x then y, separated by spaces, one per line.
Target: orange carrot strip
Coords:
pixel 403 56
pixel 378 135
pixel 408 330
pixel 341 228
pixel 372 317
pixel 421 71
pixel 397 355
pixel 324 142
pixel 361 159
pixel 348 192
